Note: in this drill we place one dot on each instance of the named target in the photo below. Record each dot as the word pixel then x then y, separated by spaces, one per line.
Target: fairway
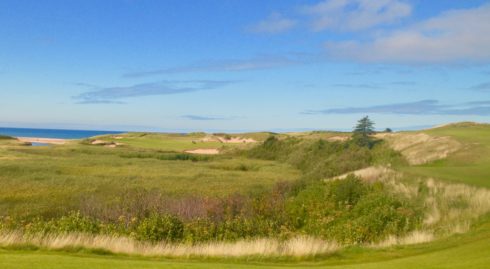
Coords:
pixel 470 165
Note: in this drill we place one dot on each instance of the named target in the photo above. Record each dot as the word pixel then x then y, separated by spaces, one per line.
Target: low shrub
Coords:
pixel 160 228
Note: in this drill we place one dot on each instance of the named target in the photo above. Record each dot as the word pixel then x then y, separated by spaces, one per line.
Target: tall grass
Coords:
pixel 295 247
pixel 449 208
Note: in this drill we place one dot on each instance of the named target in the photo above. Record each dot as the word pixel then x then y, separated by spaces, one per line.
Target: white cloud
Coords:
pixel 354 15
pixel 275 23
pixel 452 37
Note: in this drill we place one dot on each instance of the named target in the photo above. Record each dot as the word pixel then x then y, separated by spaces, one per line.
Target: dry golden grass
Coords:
pixel 449 208
pixel 415 237
pixel 295 247
pixel 420 148
pixel 369 174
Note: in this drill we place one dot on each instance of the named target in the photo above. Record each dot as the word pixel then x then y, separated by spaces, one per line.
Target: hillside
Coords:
pixel 428 188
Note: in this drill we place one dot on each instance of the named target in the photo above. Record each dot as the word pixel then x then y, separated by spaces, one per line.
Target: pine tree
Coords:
pixel 362 132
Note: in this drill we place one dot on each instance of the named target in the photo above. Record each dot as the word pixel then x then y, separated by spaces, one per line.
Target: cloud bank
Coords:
pixel 423 107
pixel 115 94
pixel 230 65
pixel 203 118
pixel 275 23
pixel 457 36
pixel 355 15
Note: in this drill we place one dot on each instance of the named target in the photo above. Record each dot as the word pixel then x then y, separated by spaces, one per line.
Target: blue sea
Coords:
pixel 52 133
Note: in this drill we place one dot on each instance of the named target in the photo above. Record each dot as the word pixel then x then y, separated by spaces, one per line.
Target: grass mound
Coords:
pixel 5 137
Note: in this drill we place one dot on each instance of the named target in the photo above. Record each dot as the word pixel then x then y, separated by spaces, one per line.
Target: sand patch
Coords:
pixel 227 140
pixel 99 142
pixel 338 138
pixel 203 151
pixel 54 141
pixel 106 144
pixel 236 140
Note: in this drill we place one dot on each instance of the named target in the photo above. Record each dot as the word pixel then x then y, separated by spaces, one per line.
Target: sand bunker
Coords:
pixel 236 140
pixel 338 138
pixel 106 144
pixel 226 140
pixel 203 151
pixel 54 141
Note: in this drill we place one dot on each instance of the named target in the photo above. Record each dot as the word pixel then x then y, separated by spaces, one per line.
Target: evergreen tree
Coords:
pixel 362 132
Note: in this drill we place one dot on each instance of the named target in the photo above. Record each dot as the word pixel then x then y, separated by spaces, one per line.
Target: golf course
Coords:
pixel 262 200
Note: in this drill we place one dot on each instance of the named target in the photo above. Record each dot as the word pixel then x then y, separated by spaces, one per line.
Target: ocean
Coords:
pixel 52 133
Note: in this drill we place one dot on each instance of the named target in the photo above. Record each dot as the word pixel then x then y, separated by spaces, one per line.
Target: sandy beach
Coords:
pixel 54 141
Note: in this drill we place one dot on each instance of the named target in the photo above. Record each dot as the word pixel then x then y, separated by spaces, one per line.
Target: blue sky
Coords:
pixel 222 65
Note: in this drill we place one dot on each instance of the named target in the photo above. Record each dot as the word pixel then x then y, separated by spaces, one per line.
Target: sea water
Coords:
pixel 53 133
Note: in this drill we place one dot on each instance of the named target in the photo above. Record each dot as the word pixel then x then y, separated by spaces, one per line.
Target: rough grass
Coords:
pixel 295 247
pixel 51 179
pixel 460 251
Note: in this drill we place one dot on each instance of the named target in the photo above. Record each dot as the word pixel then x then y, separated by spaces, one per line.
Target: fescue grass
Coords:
pixel 52 179
pixel 299 247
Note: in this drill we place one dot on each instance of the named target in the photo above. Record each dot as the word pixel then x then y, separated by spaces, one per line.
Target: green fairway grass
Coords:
pixel 166 142
pixel 470 165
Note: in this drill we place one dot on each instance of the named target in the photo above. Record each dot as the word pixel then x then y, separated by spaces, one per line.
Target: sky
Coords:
pixel 243 65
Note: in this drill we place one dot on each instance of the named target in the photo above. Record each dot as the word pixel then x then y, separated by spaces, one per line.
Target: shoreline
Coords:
pixel 53 141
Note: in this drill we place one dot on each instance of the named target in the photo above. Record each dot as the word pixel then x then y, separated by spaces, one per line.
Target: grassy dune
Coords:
pixel 470 165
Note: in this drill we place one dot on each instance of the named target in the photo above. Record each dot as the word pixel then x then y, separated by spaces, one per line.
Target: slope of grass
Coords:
pixel 469 165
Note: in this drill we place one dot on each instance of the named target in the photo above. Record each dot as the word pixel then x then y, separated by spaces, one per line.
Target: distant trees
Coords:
pixel 363 131
pixel 388 130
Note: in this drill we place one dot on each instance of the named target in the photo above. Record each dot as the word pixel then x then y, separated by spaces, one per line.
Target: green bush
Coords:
pixel 351 211
pixel 348 191
pixel 73 222
pixel 160 228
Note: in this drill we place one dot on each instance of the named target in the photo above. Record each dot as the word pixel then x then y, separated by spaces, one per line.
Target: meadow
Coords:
pixel 276 202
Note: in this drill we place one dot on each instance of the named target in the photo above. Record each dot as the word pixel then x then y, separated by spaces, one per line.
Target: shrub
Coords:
pixel 347 191
pixel 160 228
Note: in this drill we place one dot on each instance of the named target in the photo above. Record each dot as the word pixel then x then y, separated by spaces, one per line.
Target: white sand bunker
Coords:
pixel 236 140
pixel 338 138
pixel 54 141
pixel 106 144
pixel 203 151
pixel 227 140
